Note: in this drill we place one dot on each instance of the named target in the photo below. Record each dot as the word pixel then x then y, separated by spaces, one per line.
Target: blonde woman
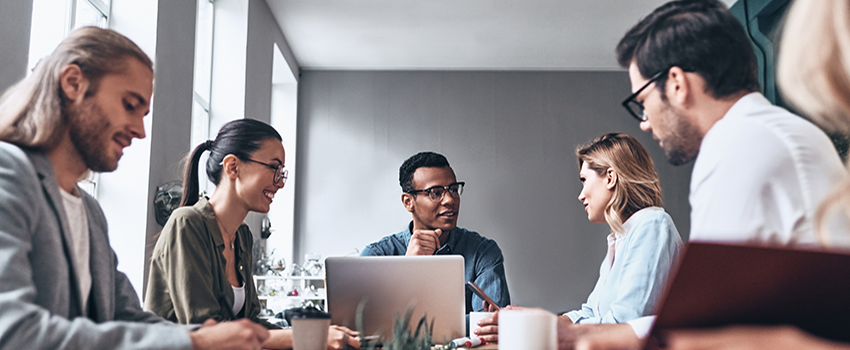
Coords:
pixel 620 188
pixel 814 76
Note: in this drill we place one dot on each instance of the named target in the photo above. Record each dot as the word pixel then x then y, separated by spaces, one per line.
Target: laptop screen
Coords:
pixel 389 285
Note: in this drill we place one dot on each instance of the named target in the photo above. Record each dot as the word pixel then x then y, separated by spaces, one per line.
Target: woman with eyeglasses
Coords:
pixel 201 268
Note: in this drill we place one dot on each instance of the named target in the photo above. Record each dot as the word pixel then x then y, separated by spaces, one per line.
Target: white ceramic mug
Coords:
pixel 528 329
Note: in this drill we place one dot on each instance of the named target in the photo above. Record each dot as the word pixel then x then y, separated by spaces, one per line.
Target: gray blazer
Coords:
pixel 40 306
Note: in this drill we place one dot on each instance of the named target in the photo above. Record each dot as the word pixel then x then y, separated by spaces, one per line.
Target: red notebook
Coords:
pixel 720 284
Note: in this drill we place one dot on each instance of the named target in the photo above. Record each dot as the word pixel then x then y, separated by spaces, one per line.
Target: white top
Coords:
pixel 79 226
pixel 760 175
pixel 238 298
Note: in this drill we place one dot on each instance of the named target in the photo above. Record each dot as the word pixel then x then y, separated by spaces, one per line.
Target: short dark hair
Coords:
pixel 416 161
pixel 699 36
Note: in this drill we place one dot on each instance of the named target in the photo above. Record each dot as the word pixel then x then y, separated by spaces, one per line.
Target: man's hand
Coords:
pixel 241 334
pixel 489 307
pixel 339 336
pixel 424 242
pixel 488 328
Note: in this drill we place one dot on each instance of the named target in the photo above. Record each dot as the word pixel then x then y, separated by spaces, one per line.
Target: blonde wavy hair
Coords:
pixel 813 71
pixel 637 184
pixel 32 111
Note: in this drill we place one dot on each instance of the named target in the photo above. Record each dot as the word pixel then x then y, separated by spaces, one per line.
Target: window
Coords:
pixel 88 13
pixel 203 78
pixel 52 21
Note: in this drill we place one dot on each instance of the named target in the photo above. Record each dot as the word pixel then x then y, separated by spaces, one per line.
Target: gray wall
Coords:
pixel 171 126
pixel 510 135
pixel 15 21
pixel 263 33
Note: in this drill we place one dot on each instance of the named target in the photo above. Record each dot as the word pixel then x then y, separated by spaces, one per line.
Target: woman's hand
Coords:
pixel 339 337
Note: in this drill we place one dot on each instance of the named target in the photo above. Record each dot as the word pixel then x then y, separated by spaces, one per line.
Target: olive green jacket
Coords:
pixel 187 272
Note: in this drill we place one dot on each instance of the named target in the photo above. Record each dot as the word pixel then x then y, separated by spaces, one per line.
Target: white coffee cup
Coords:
pixel 310 330
pixel 528 329
pixel 474 317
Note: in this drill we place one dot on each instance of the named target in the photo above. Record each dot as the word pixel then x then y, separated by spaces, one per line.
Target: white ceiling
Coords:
pixel 458 34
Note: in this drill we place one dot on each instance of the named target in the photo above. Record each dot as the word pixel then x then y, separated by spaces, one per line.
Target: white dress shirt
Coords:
pixel 760 175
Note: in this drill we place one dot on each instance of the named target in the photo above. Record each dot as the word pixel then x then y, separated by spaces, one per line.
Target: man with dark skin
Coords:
pixel 431 193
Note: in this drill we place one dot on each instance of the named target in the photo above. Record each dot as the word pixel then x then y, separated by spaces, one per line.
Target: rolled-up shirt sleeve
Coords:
pixel 490 276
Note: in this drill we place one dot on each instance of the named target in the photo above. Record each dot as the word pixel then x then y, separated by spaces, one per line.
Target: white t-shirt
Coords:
pixel 238 298
pixel 760 175
pixel 79 226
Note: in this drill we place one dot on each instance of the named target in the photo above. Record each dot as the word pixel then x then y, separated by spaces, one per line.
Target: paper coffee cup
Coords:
pixel 310 329
pixel 528 329
pixel 474 317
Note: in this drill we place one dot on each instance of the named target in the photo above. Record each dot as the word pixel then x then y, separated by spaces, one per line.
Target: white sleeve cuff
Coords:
pixel 642 326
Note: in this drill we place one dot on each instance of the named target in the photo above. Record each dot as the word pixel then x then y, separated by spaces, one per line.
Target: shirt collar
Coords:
pixel 203 206
pixel 631 222
pixel 746 102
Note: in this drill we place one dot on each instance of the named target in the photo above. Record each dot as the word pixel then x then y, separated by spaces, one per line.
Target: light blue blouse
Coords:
pixel 631 286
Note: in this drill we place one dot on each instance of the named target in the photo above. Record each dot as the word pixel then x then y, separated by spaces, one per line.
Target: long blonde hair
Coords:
pixel 813 71
pixel 31 111
pixel 637 184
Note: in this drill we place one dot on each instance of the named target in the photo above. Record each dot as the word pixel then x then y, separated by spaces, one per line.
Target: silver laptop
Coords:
pixel 433 285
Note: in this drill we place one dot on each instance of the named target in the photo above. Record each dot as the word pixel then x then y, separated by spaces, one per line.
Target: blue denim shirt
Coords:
pixel 482 259
pixel 633 274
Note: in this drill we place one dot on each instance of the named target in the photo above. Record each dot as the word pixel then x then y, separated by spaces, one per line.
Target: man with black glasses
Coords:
pixel 431 193
pixel 760 171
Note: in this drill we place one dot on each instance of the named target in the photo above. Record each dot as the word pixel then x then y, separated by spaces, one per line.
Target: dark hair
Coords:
pixel 699 36
pixel 241 138
pixel 416 161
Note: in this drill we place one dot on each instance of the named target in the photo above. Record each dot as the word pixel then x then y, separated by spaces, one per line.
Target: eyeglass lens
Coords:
pixel 436 193
pixel 637 109
pixel 281 174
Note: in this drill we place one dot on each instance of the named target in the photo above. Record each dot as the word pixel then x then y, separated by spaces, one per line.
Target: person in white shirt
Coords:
pixel 760 171
pixel 813 72
pixel 621 188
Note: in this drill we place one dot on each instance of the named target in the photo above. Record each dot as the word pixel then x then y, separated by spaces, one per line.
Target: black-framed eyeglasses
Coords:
pixel 437 193
pixel 634 107
pixel 280 174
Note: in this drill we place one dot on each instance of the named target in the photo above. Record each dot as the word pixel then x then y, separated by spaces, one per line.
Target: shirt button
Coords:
pixel 240 267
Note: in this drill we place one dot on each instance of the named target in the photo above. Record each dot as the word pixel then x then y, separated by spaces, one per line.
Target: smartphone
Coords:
pixel 480 293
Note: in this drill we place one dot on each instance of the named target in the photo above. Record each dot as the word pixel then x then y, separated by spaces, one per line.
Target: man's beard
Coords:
pixel 88 127
pixel 682 144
